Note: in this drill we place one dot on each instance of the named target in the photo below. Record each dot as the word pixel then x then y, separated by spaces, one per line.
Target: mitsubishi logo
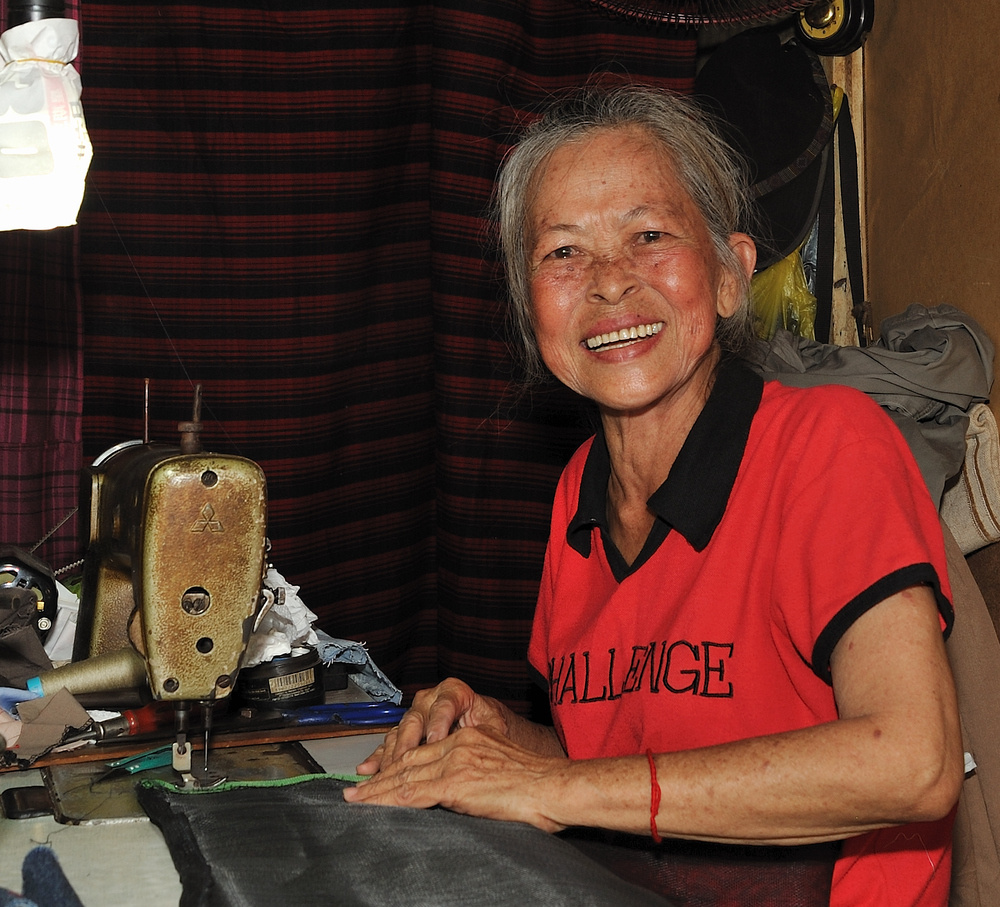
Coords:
pixel 207 521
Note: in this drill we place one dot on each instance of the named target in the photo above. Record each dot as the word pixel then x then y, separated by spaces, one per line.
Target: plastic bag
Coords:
pixel 782 299
pixel 45 150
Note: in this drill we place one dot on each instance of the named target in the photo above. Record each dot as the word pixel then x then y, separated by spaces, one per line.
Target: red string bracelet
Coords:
pixel 654 797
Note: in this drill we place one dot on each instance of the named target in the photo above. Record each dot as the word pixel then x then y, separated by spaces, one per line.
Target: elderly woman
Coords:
pixel 740 620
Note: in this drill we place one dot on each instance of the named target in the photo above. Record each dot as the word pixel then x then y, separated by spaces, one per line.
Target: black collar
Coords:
pixel 693 498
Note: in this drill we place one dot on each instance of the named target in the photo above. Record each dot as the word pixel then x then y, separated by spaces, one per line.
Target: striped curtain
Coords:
pixel 288 205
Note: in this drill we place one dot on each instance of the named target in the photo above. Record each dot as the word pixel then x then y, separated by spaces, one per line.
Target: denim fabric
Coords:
pixel 44 883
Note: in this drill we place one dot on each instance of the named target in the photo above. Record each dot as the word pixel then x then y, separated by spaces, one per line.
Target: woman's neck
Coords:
pixel 642 448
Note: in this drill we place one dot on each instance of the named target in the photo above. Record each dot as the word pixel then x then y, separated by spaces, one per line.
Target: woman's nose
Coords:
pixel 612 279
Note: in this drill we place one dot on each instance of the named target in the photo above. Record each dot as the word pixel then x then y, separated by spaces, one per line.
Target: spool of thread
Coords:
pixel 121 670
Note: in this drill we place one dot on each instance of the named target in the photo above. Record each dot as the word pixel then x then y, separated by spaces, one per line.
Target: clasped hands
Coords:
pixel 453 749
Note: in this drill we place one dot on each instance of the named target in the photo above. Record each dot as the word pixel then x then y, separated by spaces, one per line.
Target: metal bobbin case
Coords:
pixel 286 681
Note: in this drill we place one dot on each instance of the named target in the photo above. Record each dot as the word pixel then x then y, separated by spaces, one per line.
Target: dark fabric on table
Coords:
pixel 699 874
pixel 22 655
pixel 300 843
pixel 287 203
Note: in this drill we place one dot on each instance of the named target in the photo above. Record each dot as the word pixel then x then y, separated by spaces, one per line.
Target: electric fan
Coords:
pixel 829 27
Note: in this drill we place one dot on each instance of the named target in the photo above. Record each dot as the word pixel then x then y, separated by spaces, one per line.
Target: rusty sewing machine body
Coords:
pixel 174 570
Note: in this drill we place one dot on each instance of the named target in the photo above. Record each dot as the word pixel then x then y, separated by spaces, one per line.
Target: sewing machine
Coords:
pixel 173 570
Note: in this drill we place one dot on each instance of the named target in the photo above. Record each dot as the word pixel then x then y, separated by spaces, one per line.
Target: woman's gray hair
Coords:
pixel 707 167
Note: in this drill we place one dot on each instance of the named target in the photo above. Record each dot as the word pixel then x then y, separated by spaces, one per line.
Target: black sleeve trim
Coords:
pixel 904 578
pixel 538 678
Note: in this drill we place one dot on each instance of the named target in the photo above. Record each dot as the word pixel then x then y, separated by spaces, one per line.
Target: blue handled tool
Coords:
pixel 359 714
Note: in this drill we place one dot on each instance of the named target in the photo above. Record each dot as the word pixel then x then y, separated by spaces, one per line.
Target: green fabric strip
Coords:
pixel 235 785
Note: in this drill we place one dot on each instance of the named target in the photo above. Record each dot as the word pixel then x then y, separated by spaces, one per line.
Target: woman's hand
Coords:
pixel 469 753
pixel 475 769
pixel 434 715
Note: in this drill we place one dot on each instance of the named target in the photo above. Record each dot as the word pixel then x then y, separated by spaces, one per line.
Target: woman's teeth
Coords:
pixel 626 335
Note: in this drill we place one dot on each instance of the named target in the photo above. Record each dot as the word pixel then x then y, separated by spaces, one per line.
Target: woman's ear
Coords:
pixel 745 253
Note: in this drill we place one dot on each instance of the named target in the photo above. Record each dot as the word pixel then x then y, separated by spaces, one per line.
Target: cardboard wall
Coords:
pixel 932 140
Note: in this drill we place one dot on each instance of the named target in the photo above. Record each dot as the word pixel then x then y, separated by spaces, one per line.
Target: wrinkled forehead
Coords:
pixel 604 142
pixel 578 140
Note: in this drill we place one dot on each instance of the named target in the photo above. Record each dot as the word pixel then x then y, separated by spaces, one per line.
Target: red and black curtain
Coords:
pixel 288 205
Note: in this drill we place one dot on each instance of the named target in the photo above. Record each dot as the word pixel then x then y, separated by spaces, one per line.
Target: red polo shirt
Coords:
pixel 787 515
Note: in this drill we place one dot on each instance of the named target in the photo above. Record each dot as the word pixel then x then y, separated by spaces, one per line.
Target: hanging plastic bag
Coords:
pixel 782 299
pixel 45 150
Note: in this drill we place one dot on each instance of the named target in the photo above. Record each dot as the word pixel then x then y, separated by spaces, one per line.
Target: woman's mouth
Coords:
pixel 623 337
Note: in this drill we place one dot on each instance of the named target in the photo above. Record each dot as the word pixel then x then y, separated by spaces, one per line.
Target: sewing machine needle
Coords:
pixel 208 708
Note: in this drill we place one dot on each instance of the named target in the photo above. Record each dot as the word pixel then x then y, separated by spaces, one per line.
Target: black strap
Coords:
pixel 850 198
pixel 825 240
pixel 823 281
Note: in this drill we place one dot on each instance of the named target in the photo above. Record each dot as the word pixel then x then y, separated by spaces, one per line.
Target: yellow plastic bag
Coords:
pixel 782 299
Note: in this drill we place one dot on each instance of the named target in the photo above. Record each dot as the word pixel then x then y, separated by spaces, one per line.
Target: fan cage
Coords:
pixel 698 13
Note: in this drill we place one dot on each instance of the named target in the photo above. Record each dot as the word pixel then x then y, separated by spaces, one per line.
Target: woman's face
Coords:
pixel 625 282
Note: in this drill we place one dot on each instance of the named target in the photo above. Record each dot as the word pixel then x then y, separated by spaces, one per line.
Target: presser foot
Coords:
pixel 194 776
pixel 198 780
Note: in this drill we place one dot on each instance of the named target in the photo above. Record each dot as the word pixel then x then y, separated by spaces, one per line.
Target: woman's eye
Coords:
pixel 561 252
pixel 650 236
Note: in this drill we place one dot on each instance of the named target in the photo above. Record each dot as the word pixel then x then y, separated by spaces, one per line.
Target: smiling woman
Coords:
pixel 619 245
pixel 714 675
pixel 681 138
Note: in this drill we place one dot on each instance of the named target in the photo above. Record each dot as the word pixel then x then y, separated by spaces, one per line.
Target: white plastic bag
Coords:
pixel 45 150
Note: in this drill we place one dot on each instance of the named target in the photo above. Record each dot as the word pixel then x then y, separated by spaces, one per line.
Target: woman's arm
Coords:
pixel 893 757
